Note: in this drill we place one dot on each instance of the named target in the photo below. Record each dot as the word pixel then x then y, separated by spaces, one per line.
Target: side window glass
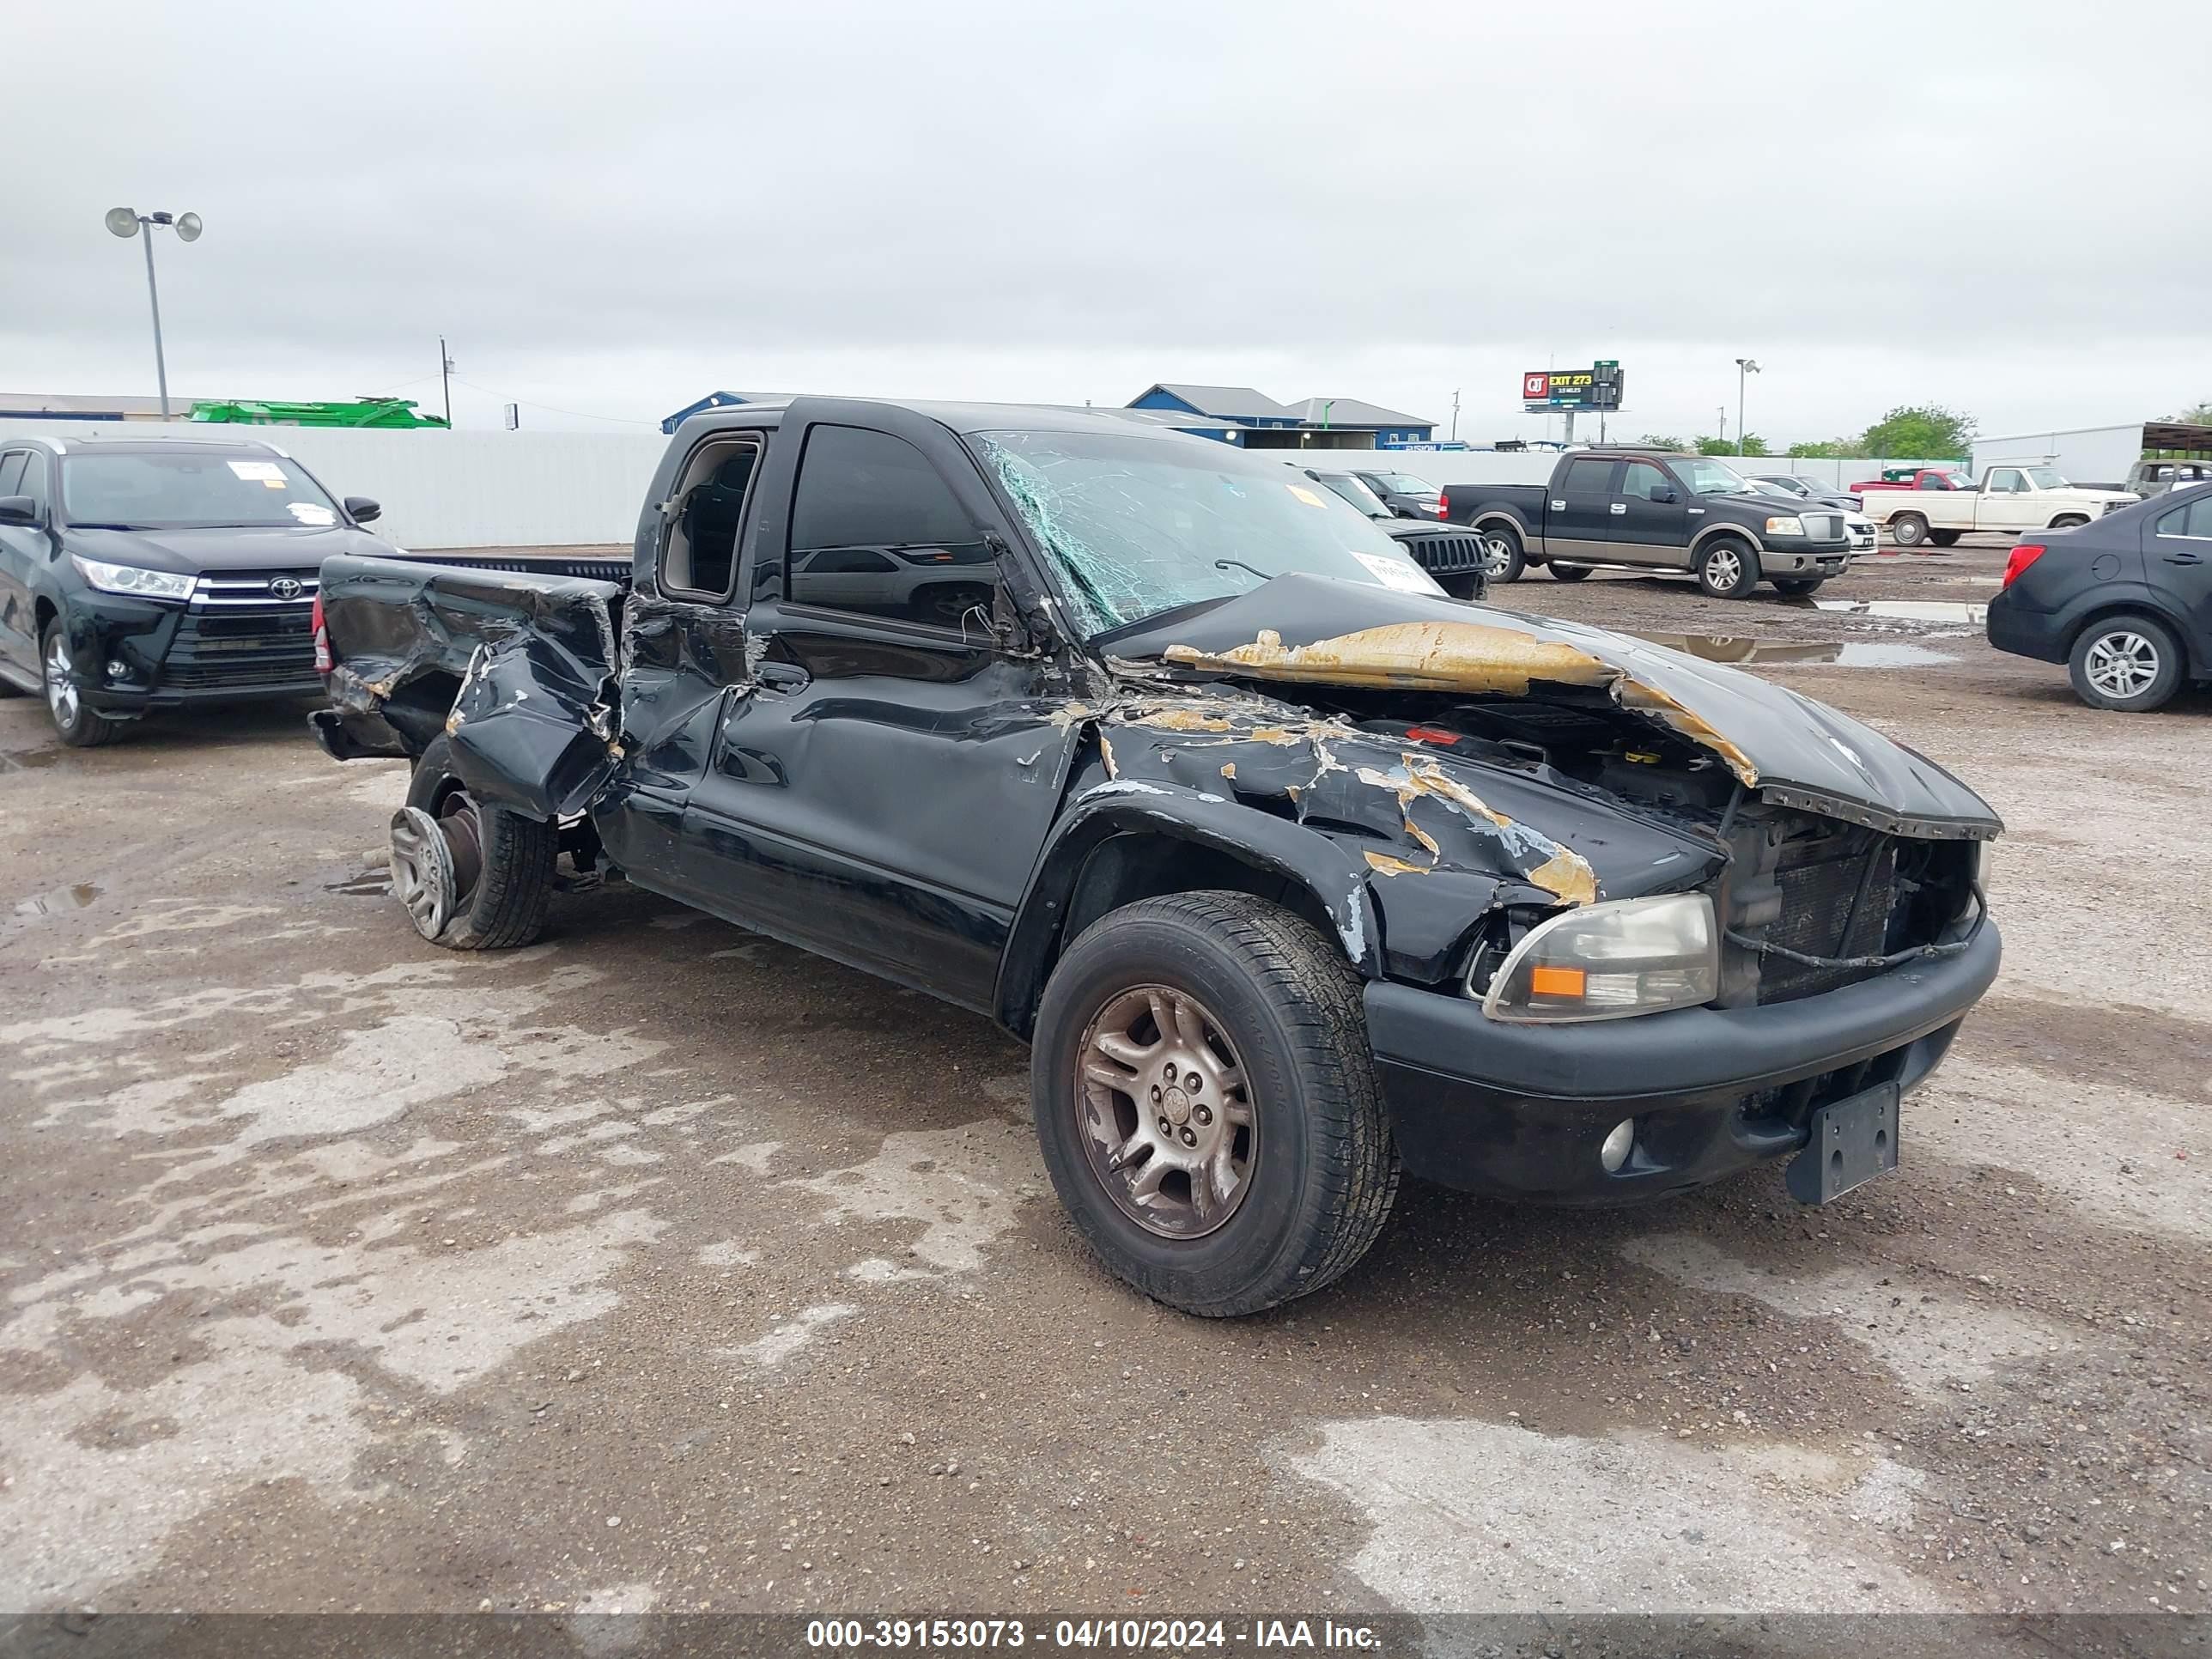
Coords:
pixel 875 530
pixel 1642 481
pixel 700 555
pixel 1931 481
pixel 2194 519
pixel 2004 481
pixel 11 473
pixel 1588 478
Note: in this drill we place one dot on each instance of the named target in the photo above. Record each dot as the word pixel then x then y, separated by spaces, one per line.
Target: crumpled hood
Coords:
pixel 235 547
pixel 1791 749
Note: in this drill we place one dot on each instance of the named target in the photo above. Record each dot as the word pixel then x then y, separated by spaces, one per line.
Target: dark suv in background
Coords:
pixel 157 573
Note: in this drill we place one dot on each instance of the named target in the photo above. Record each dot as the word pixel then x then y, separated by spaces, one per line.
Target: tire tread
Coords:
pixel 1316 996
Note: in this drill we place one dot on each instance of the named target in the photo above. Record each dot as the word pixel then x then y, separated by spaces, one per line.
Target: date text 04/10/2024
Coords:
pixel 1123 1635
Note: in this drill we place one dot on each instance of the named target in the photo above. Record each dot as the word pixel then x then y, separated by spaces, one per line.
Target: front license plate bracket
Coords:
pixel 1854 1139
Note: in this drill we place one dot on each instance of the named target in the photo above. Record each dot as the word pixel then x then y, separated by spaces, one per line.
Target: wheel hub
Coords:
pixel 1166 1116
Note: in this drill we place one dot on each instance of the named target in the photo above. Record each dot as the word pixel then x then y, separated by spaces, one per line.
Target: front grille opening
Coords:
pixel 1836 901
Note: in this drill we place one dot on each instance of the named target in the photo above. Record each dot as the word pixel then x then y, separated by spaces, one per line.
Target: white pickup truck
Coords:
pixel 2024 497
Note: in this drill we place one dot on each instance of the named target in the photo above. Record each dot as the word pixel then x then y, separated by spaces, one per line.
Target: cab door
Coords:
pixel 879 791
pixel 2006 502
pixel 1651 516
pixel 1579 522
pixel 684 653
pixel 22 548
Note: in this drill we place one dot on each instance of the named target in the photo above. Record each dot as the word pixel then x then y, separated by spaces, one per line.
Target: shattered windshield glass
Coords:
pixel 1137 525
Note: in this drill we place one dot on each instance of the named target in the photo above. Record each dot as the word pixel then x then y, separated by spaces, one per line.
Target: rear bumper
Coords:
pixel 2012 626
pixel 1519 1110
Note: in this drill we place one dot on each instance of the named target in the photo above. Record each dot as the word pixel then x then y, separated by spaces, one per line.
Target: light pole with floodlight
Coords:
pixel 128 222
pixel 1744 368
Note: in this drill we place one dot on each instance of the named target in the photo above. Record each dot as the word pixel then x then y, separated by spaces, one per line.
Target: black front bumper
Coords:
pixel 1519 1110
pixel 171 656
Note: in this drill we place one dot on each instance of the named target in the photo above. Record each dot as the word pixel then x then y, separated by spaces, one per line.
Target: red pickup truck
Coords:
pixel 1916 477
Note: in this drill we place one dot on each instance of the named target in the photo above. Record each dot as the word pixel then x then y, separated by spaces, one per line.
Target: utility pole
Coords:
pixel 1455 424
pixel 445 379
pixel 1723 431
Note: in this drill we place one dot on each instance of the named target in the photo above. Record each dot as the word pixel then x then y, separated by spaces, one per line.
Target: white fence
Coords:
pixel 575 488
pixel 447 488
pixel 1451 466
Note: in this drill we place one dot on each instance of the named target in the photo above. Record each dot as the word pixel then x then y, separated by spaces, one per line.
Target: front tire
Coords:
pixel 73 717
pixel 1206 1103
pixel 1728 568
pixel 1503 560
pixel 1797 586
pixel 1945 537
pixel 1908 530
pixel 2069 521
pixel 2132 664
pixel 472 877
pixel 1568 573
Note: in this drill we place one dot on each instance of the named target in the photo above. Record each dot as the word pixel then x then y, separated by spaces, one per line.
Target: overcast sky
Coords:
pixel 610 210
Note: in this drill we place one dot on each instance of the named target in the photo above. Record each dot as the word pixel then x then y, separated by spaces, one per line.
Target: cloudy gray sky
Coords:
pixel 611 209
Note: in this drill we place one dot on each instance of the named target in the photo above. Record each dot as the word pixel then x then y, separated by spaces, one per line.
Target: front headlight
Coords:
pixel 129 579
pixel 1787 524
pixel 1607 961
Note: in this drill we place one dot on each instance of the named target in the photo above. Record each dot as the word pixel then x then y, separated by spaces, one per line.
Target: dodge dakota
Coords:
pixel 1293 871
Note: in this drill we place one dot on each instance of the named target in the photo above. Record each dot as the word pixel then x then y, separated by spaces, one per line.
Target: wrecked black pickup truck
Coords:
pixel 1291 869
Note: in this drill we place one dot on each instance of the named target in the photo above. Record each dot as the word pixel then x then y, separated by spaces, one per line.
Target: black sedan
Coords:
pixel 151 573
pixel 2124 601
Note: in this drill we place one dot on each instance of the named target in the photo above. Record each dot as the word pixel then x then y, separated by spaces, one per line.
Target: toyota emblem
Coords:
pixel 286 587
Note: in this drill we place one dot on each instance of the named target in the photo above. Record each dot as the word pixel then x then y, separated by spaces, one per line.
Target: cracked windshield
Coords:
pixel 1136 527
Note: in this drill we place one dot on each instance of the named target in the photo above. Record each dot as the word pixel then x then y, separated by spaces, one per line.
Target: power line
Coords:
pixel 554 408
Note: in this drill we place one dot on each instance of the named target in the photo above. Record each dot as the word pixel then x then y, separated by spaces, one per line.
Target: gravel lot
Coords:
pixel 661 1268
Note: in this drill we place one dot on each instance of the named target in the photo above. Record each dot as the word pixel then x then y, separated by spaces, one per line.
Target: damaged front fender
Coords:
pixel 519 671
pixel 1128 807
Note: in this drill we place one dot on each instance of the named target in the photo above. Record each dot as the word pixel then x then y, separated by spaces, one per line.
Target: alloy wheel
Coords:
pixel 1497 556
pixel 1165 1112
pixel 62 695
pixel 1722 568
pixel 2122 664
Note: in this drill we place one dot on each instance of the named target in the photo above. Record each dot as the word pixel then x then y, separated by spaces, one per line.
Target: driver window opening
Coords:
pixel 701 557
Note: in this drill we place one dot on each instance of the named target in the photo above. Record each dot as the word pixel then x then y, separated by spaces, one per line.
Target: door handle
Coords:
pixel 1618 509
pixel 782 675
pixel 2182 558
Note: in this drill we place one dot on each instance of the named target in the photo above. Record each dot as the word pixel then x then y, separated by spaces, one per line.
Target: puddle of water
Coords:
pixel 1888 653
pixel 369 883
pixel 1949 611
pixel 1747 649
pixel 61 899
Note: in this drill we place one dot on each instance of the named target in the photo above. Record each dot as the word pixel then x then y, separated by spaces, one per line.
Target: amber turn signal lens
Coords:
pixel 1556 982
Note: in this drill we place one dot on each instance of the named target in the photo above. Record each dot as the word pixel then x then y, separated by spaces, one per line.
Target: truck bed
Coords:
pixel 517 668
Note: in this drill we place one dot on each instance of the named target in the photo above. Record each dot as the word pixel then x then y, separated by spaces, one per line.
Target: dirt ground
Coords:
pixel 661 1268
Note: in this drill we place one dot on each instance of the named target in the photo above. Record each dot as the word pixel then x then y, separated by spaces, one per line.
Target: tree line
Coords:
pixel 1917 431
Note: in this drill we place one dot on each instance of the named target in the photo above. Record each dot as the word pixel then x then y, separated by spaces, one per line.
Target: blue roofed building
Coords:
pixel 1250 417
